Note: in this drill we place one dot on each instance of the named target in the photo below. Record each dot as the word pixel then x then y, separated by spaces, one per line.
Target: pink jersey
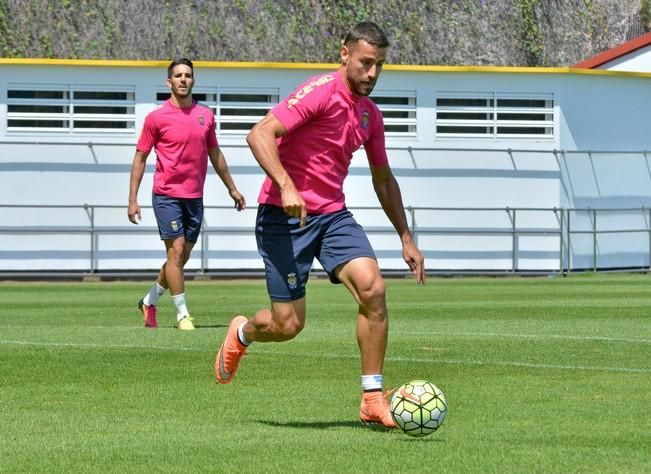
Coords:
pixel 181 137
pixel 325 124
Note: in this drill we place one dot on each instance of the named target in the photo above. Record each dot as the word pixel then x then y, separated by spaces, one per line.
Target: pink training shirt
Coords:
pixel 325 124
pixel 181 137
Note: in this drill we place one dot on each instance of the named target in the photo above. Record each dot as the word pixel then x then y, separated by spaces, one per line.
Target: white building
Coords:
pixel 491 162
pixel 633 55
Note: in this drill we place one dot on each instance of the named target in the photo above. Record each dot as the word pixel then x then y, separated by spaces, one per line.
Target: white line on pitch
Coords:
pixel 526 365
pixel 474 362
pixel 342 356
pixel 529 336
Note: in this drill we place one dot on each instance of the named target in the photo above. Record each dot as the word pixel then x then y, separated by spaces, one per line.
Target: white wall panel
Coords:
pixel 605 114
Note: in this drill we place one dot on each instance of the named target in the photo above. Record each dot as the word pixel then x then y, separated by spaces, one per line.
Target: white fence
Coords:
pixel 97 239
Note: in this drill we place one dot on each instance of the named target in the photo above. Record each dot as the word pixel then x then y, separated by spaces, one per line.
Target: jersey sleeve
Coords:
pixel 148 135
pixel 375 148
pixel 305 102
pixel 211 139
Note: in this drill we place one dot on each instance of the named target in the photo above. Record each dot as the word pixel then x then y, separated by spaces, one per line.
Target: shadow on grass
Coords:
pixel 321 425
pixel 324 425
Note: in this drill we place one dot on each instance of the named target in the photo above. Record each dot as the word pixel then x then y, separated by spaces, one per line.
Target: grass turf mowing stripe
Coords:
pixel 539 375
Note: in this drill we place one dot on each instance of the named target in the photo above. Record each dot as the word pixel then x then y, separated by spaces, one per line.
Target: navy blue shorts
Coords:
pixel 178 217
pixel 288 250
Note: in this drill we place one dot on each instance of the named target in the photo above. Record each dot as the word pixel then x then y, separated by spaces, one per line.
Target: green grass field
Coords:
pixel 541 375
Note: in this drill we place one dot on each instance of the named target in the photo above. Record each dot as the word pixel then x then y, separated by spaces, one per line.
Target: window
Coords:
pixel 240 110
pixel 38 109
pixel 95 110
pixel 398 110
pixel 495 115
pixel 71 109
pixel 236 110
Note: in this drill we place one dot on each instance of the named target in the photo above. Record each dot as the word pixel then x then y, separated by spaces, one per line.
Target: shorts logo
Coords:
pixel 201 120
pixel 175 225
pixel 291 280
pixel 365 118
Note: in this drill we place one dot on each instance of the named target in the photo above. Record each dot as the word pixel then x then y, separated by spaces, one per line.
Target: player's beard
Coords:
pixel 182 93
pixel 364 87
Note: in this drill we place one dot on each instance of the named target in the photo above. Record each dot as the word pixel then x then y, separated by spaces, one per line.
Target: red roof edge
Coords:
pixel 616 52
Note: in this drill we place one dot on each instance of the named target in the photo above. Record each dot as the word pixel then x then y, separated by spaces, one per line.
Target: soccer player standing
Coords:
pixel 183 134
pixel 305 145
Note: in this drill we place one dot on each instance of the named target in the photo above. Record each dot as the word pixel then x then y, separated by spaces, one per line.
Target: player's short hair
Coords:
pixel 368 31
pixel 176 62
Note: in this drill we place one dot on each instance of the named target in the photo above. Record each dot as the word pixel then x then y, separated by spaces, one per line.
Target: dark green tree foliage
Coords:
pixel 645 14
pixel 445 32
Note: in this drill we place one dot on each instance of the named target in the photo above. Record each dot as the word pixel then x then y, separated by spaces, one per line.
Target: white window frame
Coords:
pixel 68 117
pixel 410 108
pixel 493 123
pixel 263 106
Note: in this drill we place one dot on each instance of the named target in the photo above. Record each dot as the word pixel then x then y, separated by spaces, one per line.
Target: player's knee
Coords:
pixel 291 328
pixel 175 259
pixel 176 255
pixel 372 294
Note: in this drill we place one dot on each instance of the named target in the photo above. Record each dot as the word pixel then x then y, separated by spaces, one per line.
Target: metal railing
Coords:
pixel 562 230
pixel 131 142
pixel 594 231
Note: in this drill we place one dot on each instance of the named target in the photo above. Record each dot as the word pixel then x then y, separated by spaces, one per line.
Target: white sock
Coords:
pixel 241 336
pixel 155 292
pixel 372 382
pixel 181 308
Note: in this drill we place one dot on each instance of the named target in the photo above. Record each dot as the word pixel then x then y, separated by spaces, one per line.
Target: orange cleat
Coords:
pixel 375 408
pixel 148 313
pixel 230 353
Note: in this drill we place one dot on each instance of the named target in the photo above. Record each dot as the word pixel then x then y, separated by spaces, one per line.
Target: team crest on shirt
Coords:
pixel 201 120
pixel 365 118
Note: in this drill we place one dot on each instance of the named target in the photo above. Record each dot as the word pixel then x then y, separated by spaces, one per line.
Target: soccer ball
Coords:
pixel 419 407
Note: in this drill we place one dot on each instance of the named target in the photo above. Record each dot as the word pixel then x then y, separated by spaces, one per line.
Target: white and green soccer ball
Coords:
pixel 419 407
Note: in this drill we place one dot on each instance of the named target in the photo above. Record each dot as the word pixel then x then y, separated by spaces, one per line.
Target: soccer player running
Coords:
pixel 305 145
pixel 183 134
